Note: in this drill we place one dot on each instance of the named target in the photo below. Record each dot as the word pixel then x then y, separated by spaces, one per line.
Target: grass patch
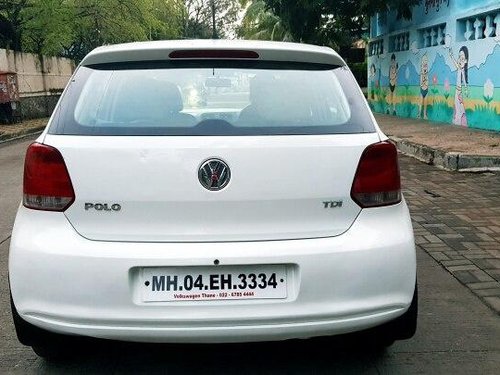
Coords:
pixel 407 109
pixel 440 111
pixel 483 117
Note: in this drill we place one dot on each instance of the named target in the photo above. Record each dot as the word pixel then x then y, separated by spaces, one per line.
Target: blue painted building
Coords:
pixel 442 65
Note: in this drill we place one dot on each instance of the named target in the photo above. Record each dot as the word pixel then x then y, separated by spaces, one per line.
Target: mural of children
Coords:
pixel 462 65
pixel 424 85
pixel 373 72
pixel 393 77
pixel 378 82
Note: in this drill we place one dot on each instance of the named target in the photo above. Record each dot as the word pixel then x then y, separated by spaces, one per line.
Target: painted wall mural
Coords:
pixel 444 65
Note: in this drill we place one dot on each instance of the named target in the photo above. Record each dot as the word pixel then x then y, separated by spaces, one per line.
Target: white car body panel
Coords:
pixel 273 193
pixel 342 284
pixel 160 50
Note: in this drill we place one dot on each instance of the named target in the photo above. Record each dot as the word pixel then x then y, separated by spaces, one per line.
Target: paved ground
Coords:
pixel 456 219
pixel 443 137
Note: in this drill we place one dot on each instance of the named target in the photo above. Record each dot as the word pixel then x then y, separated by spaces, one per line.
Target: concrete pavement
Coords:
pixel 456 219
pixel 447 146
pixel 11 164
pixel 457 333
pixel 442 136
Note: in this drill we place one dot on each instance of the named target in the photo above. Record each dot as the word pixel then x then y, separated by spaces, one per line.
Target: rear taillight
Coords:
pixel 377 181
pixel 47 185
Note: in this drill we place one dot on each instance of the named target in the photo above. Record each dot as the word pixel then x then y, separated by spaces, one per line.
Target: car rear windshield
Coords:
pixel 211 98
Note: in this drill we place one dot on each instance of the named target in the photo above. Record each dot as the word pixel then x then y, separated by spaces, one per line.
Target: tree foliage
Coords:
pixel 198 22
pixel 96 22
pixel 72 28
pixel 329 22
pixel 12 20
pixel 46 28
pixel 260 22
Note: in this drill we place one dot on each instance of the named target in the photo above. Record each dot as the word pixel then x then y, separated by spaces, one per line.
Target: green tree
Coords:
pixel 72 28
pixel 95 23
pixel 165 19
pixel 330 22
pixel 47 27
pixel 198 21
pixel 260 22
pixel 11 22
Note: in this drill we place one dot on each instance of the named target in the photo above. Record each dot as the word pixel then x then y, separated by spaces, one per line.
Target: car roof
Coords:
pixel 160 50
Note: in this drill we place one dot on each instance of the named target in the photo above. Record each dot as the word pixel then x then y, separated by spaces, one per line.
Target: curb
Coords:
pixel 452 161
pixel 5 138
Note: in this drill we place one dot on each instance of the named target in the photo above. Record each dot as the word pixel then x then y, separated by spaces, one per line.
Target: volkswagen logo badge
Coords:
pixel 214 174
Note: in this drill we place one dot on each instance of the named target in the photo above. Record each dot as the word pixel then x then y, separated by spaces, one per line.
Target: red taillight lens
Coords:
pixel 47 185
pixel 377 181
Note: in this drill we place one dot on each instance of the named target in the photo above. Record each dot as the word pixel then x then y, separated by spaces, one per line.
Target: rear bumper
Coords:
pixel 64 283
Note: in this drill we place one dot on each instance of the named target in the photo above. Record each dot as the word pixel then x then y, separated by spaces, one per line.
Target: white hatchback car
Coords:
pixel 211 191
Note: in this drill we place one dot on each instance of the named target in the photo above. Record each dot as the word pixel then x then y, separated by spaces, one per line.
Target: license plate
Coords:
pixel 165 284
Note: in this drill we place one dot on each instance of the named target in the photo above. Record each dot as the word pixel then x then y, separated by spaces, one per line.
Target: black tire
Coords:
pixel 45 344
pixel 26 332
pixel 405 326
pixel 401 328
pixel 54 351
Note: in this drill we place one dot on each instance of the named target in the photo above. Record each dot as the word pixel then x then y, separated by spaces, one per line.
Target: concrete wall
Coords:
pixel 41 81
pixel 442 65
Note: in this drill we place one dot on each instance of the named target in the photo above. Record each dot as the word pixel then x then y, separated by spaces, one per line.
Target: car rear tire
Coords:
pixel 401 328
pixel 54 352
pixel 26 332
pixel 45 344
pixel 406 325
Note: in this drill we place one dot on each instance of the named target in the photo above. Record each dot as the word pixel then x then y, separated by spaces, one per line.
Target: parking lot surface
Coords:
pixel 457 226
